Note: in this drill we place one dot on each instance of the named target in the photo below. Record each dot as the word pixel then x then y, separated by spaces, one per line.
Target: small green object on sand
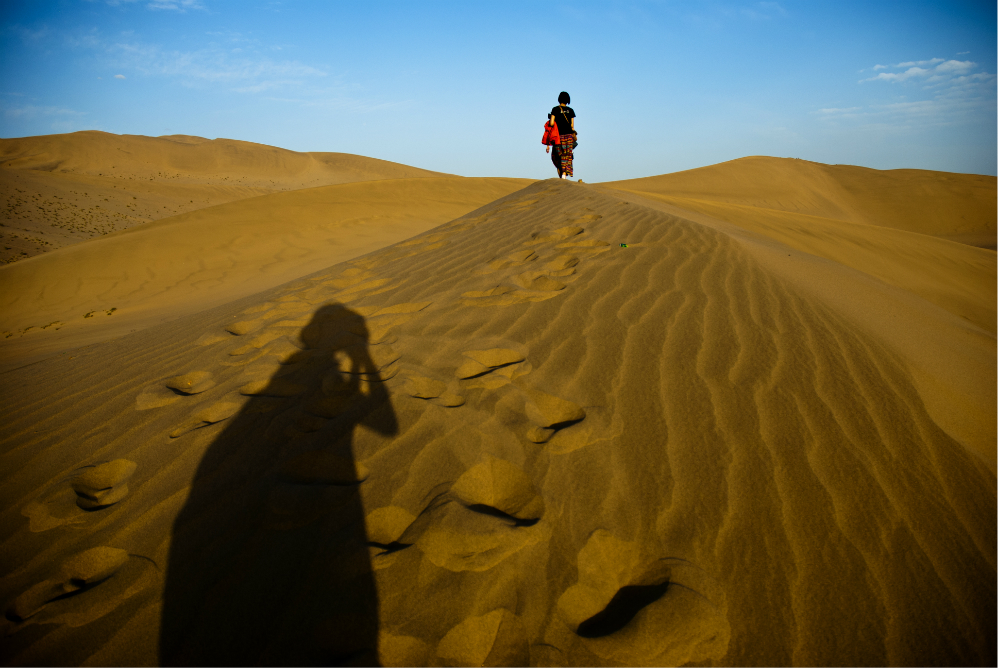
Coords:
pixel 623 245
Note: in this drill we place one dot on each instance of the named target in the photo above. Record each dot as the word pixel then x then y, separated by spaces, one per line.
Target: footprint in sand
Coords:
pixel 435 391
pixel 156 396
pixel 562 263
pixel 587 247
pixel 103 485
pixel 216 412
pixel 211 338
pixel 559 234
pixel 502 295
pixel 515 259
pixel 549 414
pixel 532 280
pixel 386 525
pixel 262 339
pixel 174 389
pixel 492 511
pixel 623 598
pixel 492 368
pixel 83 571
pixel 194 382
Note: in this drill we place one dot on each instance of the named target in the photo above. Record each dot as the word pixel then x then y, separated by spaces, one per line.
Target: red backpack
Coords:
pixel 551 136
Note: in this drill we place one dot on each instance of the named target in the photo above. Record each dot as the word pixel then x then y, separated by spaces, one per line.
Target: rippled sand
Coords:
pixel 580 425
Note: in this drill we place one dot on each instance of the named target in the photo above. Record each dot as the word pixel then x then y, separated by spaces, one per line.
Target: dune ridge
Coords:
pixel 561 451
pixel 61 190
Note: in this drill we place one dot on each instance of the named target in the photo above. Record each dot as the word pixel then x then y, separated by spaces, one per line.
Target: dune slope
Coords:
pixel 131 279
pixel 507 441
pixel 885 224
pixel 949 205
pixel 59 190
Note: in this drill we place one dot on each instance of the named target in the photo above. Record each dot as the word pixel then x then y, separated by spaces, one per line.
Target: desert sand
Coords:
pixel 59 190
pixel 712 417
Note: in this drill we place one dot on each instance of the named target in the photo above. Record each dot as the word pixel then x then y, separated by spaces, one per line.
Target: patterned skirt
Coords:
pixel 565 149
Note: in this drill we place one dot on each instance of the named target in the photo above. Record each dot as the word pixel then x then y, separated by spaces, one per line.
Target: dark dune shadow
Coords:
pixel 268 562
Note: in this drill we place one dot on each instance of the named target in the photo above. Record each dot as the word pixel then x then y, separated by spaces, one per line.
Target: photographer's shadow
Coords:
pixel 268 561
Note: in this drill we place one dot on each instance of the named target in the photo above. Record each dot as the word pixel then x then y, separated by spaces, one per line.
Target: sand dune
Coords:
pixel 885 224
pixel 129 280
pixel 59 190
pixel 952 206
pixel 512 441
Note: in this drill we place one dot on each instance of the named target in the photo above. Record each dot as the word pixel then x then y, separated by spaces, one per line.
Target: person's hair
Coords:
pixel 564 98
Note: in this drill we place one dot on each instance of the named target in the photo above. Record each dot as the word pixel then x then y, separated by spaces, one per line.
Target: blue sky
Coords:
pixel 464 87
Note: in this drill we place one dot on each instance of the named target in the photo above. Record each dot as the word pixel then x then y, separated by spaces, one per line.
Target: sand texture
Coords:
pixel 130 280
pixel 58 190
pixel 510 440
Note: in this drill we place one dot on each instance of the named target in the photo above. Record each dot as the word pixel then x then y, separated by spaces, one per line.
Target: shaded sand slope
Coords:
pixel 564 452
pixel 873 221
pixel 209 257
pixel 57 190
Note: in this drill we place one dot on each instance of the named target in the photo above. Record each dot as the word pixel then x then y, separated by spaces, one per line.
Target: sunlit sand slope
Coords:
pixel 508 441
pixel 126 281
pixel 915 200
pixel 887 224
pixel 58 190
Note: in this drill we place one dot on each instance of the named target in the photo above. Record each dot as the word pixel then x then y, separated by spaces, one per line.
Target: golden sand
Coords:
pixel 59 190
pixel 511 440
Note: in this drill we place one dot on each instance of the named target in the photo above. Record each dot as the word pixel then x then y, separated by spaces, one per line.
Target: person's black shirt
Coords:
pixel 564 120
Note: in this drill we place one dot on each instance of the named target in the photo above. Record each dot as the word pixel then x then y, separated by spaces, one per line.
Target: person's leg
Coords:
pixel 556 159
pixel 566 156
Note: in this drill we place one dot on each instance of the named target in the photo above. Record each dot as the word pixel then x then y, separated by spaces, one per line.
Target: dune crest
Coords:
pixel 681 454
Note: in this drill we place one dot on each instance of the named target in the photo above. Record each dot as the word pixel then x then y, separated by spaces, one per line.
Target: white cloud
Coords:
pixel 939 92
pixel 955 66
pixel 919 63
pixel 899 76
pixel 879 67
pixel 951 93
pixel 119 76
pixel 941 72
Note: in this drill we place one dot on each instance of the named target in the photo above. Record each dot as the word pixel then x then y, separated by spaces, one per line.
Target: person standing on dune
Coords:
pixel 564 117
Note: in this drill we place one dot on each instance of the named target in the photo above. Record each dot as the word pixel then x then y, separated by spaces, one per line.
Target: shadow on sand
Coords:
pixel 269 562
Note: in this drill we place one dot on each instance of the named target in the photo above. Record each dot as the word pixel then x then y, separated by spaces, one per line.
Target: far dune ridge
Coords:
pixel 943 204
pixel 575 426
pixel 60 190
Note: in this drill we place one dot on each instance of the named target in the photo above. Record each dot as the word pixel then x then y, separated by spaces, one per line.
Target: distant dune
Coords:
pixel 942 204
pixel 742 415
pixel 59 190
